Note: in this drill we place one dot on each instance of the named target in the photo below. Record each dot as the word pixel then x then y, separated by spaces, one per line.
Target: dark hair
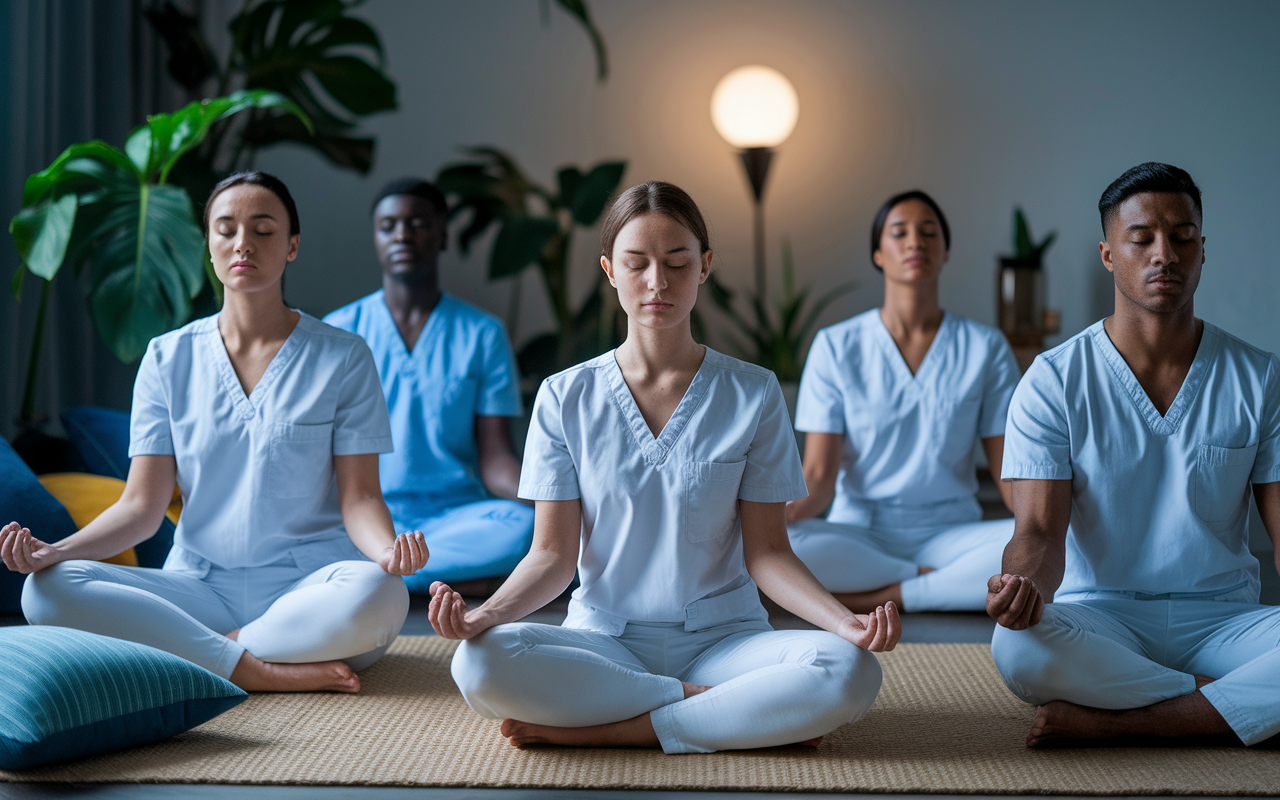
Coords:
pixel 658 197
pixel 267 181
pixel 1149 177
pixel 877 227
pixel 416 187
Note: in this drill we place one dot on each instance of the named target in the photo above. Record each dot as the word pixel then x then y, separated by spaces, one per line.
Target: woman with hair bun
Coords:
pixel 285 574
pixel 893 401
pixel 660 471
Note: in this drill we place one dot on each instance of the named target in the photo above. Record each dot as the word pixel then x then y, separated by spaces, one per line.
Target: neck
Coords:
pixel 1141 335
pixel 419 293
pixel 911 307
pixel 255 315
pixel 652 350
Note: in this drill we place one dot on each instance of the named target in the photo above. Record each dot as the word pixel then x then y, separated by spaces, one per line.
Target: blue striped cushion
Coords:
pixel 66 694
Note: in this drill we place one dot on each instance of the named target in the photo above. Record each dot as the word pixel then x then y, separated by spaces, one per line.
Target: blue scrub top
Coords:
pixel 1160 504
pixel 461 367
pixel 909 439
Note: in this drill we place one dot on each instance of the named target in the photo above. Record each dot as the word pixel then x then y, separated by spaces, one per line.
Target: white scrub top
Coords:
pixel 256 472
pixel 1160 505
pixel 460 367
pixel 909 439
pixel 661 536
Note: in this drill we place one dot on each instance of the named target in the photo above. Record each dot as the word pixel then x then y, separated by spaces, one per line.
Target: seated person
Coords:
pixel 1128 601
pixel 269 421
pixel 451 387
pixel 893 401
pixel 661 470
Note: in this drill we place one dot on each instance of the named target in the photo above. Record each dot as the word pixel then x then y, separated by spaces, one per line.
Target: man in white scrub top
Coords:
pixel 451 386
pixel 1128 602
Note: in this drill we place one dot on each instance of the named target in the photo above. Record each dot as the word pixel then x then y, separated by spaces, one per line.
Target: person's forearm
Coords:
pixel 123 525
pixel 782 576
pixel 539 578
pixel 369 524
pixel 501 476
pixel 1035 557
pixel 819 500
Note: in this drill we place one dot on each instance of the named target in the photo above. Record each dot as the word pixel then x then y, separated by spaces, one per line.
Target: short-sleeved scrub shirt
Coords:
pixel 909 439
pixel 1160 504
pixel 256 471
pixel 460 367
pixel 661 535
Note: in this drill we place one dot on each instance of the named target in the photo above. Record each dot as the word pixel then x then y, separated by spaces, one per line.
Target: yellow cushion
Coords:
pixel 87 496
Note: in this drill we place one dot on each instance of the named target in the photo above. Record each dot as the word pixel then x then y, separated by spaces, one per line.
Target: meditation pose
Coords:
pixel 451 387
pixel 285 570
pixel 662 469
pixel 892 402
pixel 1128 601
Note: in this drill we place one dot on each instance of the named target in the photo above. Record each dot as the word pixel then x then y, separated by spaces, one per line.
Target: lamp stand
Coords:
pixel 756 160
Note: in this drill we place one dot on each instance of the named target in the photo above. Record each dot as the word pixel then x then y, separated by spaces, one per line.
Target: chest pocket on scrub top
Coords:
pixel 1221 481
pixel 300 460
pixel 711 499
pixel 955 425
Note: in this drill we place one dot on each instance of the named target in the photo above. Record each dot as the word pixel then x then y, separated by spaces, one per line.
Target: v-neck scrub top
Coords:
pixel 461 366
pixel 1160 504
pixel 909 439
pixel 661 535
pixel 256 472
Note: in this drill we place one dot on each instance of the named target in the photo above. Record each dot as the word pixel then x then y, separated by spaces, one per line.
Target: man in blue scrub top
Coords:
pixel 1128 599
pixel 451 387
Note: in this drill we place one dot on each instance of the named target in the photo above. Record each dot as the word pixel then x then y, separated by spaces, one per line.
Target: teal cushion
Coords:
pixel 25 501
pixel 67 694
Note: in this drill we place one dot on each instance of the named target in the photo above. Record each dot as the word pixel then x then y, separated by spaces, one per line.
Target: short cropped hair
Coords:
pixel 256 178
pixel 877 227
pixel 658 197
pixel 416 187
pixel 1149 177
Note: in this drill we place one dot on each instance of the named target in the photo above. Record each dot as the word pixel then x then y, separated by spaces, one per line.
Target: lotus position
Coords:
pixel 451 387
pixel 661 470
pixel 285 570
pixel 1128 601
pixel 892 402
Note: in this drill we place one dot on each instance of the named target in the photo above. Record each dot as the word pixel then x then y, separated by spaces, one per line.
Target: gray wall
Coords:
pixel 983 104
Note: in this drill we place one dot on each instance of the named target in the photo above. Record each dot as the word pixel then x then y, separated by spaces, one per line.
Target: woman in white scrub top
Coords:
pixel 893 401
pixel 661 471
pixel 285 570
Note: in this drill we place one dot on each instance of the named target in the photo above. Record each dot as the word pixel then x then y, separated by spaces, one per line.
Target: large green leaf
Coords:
pixel 148 265
pixel 594 191
pixel 519 243
pixel 42 233
pixel 579 10
pixel 78 160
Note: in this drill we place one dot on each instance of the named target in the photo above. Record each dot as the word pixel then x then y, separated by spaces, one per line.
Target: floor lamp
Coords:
pixel 754 108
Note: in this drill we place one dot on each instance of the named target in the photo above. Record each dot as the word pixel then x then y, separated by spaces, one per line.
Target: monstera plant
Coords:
pixel 535 226
pixel 115 212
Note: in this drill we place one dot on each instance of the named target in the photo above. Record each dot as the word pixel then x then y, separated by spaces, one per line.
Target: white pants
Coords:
pixel 768 687
pixel 349 610
pixel 1119 652
pixel 851 558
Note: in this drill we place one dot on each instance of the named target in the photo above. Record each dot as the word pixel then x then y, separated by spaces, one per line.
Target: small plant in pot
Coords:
pixel 1020 288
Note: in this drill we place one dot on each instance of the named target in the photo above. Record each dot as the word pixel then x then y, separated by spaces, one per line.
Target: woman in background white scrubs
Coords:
pixel 892 401
pixel 271 423
pixel 662 469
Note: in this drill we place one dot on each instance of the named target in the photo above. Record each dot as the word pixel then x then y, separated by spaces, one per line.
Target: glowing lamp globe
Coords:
pixel 754 106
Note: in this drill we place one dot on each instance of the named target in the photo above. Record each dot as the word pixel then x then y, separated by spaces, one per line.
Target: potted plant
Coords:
pixel 1020 287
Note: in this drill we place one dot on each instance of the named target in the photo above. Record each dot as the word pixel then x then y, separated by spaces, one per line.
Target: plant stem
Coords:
pixel 33 366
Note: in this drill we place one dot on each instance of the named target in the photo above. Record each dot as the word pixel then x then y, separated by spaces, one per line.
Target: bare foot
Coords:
pixel 923 570
pixel 634 732
pixel 234 635
pixel 1060 723
pixel 868 602
pixel 692 689
pixel 255 675
pixel 1189 719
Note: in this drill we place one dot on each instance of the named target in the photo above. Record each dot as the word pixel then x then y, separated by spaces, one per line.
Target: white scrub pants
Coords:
pixel 852 558
pixel 349 610
pixel 1119 652
pixel 768 687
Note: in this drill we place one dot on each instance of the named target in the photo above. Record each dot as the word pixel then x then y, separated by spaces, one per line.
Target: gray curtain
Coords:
pixel 74 70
